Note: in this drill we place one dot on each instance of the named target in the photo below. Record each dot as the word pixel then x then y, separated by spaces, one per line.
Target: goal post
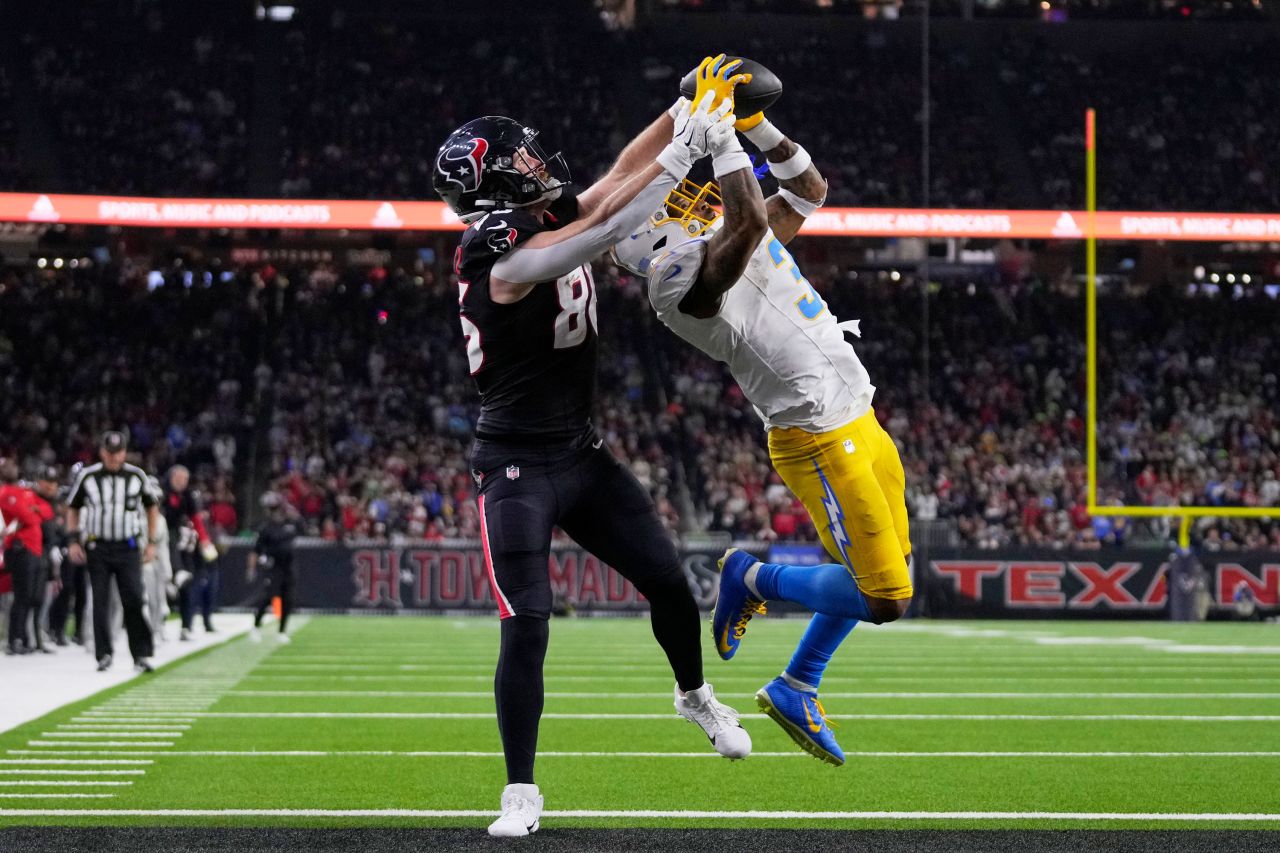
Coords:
pixel 1184 513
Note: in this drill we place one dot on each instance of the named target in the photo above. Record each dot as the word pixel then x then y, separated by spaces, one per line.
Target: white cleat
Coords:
pixel 283 638
pixel 255 636
pixel 521 812
pixel 719 721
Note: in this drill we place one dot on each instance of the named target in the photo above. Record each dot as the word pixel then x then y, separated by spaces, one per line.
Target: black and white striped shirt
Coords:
pixel 112 503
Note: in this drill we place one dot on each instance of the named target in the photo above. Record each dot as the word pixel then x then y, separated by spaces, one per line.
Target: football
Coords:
pixel 749 98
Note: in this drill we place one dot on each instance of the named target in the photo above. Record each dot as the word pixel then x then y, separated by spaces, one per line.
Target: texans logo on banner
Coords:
pixel 462 163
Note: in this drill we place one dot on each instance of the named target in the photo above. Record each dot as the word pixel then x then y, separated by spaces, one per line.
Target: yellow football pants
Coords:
pixel 851 481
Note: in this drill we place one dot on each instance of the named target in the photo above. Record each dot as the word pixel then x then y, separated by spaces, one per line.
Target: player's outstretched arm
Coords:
pixel 729 249
pixel 802 189
pixel 638 155
pixel 713 76
pixel 548 255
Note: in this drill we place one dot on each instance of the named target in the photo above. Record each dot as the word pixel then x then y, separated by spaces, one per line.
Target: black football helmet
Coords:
pixel 494 163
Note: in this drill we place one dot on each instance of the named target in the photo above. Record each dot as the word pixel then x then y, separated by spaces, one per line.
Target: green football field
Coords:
pixel 389 722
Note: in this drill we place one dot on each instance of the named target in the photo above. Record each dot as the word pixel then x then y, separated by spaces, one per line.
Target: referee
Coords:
pixel 106 526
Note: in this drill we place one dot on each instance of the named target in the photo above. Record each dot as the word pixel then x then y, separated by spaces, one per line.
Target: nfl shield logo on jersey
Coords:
pixel 513 472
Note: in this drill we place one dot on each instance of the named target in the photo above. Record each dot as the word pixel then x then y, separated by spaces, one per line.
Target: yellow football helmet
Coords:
pixel 690 210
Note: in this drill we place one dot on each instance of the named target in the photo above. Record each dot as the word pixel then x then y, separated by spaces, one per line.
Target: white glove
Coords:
pixel 209 551
pixel 726 151
pixel 692 137
pixel 181 578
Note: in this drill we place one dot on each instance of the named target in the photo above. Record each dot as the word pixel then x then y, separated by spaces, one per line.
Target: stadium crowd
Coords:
pixel 346 389
pixel 363 106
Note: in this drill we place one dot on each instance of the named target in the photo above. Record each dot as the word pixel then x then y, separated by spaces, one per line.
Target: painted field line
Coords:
pixel 111 734
pixel 462 715
pixel 763 677
pixel 37 771
pixel 98 726
pixel 486 694
pixel 35 795
pixel 93 744
pixel 604 666
pixel 682 815
pixel 61 783
pixel 65 761
pixel 303 753
pixel 106 719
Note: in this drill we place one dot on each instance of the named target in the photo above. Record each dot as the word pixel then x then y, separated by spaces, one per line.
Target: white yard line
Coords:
pixel 679 815
pixel 37 771
pixel 460 715
pixel 95 761
pixel 103 743
pixel 607 667
pixel 304 753
pixel 128 726
pixel 61 783
pixel 51 796
pixel 111 734
pixel 488 694
pixel 834 678
pixel 112 720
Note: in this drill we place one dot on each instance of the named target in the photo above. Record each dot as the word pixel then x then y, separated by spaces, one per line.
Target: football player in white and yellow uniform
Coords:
pixel 727 285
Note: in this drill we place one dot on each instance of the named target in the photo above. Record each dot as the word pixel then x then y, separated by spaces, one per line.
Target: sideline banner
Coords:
pixel 435 216
pixel 449 577
pixel 957 583
pixel 1117 583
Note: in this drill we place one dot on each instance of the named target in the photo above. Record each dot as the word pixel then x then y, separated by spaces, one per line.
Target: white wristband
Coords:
pixel 793 166
pixel 800 205
pixel 723 164
pixel 764 135
pixel 675 160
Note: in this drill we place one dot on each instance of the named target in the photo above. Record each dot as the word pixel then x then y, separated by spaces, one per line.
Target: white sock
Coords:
pixel 796 684
pixel 528 790
pixel 750 580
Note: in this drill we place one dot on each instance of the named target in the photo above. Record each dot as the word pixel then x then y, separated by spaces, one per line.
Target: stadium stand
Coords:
pixel 365 105
pixel 347 389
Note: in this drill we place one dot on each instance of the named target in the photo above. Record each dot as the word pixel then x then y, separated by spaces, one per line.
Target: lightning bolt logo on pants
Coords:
pixel 835 515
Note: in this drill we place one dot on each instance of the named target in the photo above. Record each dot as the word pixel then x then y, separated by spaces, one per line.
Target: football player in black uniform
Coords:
pixel 528 311
pixel 273 554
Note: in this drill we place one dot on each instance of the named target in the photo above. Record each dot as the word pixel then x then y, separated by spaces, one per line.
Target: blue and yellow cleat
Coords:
pixel 801 715
pixel 735 605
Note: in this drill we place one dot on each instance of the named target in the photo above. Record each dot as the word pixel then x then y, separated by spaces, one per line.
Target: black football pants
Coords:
pixel 280 581
pixel 122 562
pixel 525 491
pixel 25 569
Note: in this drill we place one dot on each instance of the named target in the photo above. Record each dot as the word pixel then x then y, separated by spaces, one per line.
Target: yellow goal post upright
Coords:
pixel 1185 513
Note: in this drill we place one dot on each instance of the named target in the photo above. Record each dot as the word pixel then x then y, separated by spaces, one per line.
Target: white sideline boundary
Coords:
pixel 679 815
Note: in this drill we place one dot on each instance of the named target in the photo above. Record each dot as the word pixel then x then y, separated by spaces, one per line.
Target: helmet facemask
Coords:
pixel 687 213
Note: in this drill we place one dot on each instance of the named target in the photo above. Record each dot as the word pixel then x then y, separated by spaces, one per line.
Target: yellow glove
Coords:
pixel 745 124
pixel 716 75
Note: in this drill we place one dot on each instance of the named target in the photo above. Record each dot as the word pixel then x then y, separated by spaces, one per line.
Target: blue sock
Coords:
pixel 820 641
pixel 828 589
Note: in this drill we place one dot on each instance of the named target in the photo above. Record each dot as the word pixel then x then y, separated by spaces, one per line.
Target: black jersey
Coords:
pixel 534 361
pixel 275 540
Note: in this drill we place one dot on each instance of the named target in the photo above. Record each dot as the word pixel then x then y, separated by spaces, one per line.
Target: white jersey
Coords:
pixel 782 344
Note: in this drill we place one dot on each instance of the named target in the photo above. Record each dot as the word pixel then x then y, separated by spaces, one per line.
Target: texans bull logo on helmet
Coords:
pixel 462 164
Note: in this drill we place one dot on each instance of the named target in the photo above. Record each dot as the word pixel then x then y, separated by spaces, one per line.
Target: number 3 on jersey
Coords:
pixel 577 308
pixel 810 305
